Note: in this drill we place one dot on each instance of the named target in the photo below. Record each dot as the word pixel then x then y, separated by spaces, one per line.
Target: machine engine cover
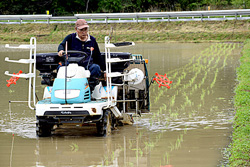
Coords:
pixel 77 87
pixel 77 91
pixel 135 76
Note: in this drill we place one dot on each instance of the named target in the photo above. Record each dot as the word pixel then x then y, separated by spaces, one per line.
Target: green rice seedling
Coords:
pixel 160 112
pixel 174 115
pixel 171 147
pixel 175 74
pixel 159 119
pixel 204 61
pixel 74 147
pixel 106 161
pixel 224 51
pixel 139 152
pixel 193 89
pixel 206 127
pixel 164 106
pixel 149 145
pixel 166 125
pixel 234 45
pixel 184 74
pixel 215 77
pixel 156 99
pixel 188 102
pixel 178 82
pixel 195 86
pixel 184 86
pixel 112 156
pixel 167 158
pixel 193 112
pixel 185 130
pixel 160 93
pixel 177 144
pixel 177 92
pixel 181 137
pixel 11 91
pixel 217 60
pixel 158 137
pixel 183 107
pixel 130 144
pixel 151 122
pixel 169 110
pixel 172 102
pixel 203 94
pixel 225 61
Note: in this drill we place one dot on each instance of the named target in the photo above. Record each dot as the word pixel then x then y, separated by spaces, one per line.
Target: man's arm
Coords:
pixel 97 58
pixel 61 47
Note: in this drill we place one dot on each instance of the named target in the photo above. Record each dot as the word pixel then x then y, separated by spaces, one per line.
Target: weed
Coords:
pixel 240 146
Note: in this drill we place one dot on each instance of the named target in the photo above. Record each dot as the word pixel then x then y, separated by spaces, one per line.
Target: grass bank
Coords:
pixel 240 147
pixel 206 31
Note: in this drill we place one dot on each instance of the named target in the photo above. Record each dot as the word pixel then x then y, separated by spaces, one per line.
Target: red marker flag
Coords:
pixel 162 80
pixel 13 79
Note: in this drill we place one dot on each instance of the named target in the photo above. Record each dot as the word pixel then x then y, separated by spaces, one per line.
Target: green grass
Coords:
pixel 240 146
pixel 206 31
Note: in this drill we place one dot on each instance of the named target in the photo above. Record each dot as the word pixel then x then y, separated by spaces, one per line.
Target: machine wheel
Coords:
pixel 43 129
pixel 104 126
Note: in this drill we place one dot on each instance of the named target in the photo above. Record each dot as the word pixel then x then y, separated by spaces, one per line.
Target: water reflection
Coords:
pixel 189 124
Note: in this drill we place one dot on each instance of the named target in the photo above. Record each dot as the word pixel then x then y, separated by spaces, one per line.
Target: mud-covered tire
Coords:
pixel 43 129
pixel 104 126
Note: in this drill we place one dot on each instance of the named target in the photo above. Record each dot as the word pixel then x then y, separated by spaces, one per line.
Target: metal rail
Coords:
pixel 214 15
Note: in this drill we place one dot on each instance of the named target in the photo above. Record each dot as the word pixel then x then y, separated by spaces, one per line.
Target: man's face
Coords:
pixel 82 33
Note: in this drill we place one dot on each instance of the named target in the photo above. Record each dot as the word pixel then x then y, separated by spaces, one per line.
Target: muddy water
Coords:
pixel 189 125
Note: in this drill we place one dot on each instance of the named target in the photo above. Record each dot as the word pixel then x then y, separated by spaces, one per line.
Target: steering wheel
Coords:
pixel 72 59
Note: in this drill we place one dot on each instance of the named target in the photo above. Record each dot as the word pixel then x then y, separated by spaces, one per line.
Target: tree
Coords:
pixel 245 4
pixel 62 7
pixel 110 5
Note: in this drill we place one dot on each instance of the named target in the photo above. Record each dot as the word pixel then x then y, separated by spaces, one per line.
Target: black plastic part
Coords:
pixel 48 63
pixel 123 44
pixel 119 66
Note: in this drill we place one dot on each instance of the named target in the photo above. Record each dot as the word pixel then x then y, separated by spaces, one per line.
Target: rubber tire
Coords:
pixel 43 129
pixel 104 126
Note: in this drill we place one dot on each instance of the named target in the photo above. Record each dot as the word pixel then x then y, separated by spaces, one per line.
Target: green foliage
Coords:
pixel 241 3
pixel 110 5
pixel 61 7
pixel 240 147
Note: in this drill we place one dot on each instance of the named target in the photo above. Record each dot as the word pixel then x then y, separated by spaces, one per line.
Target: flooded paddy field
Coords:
pixel 189 125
